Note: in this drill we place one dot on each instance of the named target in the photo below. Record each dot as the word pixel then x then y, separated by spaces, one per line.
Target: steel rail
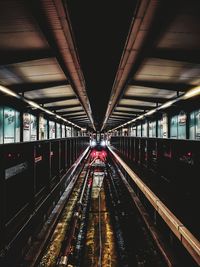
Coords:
pixel 100 234
pixel 57 211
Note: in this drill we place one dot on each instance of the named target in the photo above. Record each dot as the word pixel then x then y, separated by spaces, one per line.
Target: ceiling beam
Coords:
pixel 190 56
pixel 80 120
pixel 145 99
pixel 136 107
pixel 56 108
pixel 14 57
pixel 116 119
pixel 54 99
pixel 129 112
pixel 85 122
pixel 26 87
pixel 123 114
pixel 161 85
pixel 67 113
pixel 75 116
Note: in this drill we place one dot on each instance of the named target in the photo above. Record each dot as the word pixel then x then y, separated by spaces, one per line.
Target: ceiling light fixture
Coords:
pixel 167 104
pixel 8 91
pixel 33 104
pixel 150 112
pixel 191 93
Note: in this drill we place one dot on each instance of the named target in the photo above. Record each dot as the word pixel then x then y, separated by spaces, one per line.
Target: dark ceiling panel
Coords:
pixel 69 112
pixel 183 32
pixel 26 87
pixel 126 112
pixel 56 99
pixel 190 56
pixel 141 107
pixel 10 57
pixel 60 107
pixel 61 103
pixel 161 85
pixel 145 98
pixel 115 112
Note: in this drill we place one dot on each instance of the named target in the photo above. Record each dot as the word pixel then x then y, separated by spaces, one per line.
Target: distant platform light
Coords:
pixel 93 143
pixel 103 143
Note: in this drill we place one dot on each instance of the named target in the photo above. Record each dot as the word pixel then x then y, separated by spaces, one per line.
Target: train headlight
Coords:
pixel 93 143
pixel 103 143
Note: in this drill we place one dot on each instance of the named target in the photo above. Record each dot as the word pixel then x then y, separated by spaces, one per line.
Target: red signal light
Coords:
pixel 93 154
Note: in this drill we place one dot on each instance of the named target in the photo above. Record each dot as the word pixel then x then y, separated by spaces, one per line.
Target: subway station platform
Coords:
pixel 99 133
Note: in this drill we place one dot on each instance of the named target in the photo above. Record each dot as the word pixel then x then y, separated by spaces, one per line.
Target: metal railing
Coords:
pixel 191 244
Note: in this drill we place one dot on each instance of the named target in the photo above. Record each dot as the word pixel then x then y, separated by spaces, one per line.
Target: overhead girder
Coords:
pixel 75 116
pixel 129 112
pixel 121 116
pixel 142 107
pixel 56 108
pixel 116 120
pixel 81 120
pixel 68 113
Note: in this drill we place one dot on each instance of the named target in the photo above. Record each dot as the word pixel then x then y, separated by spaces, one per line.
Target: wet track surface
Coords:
pixel 138 248
pixel 100 225
pixel 100 244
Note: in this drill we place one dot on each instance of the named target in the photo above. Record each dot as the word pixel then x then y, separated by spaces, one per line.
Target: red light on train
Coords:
pixel 102 155
pixel 99 155
pixel 93 154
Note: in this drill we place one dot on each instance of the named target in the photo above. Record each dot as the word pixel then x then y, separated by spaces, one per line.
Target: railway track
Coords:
pixel 136 247
pixel 100 225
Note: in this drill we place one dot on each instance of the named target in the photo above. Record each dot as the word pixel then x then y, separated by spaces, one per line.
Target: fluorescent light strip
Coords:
pixel 167 104
pixel 151 112
pixel 33 104
pixel 8 91
pixel 191 93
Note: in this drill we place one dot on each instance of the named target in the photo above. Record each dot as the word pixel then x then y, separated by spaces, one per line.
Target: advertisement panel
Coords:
pixel 182 117
pixel 42 128
pixel 51 129
pixel 33 128
pixel 9 125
